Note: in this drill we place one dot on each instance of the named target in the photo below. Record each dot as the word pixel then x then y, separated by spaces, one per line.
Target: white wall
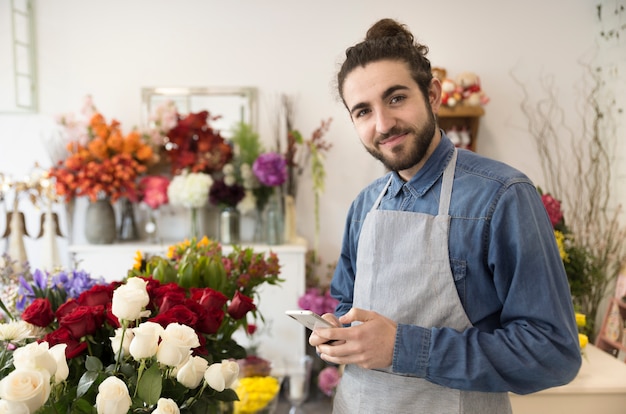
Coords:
pixel 113 48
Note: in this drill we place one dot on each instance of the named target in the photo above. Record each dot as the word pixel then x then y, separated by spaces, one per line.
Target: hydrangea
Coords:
pixel 190 190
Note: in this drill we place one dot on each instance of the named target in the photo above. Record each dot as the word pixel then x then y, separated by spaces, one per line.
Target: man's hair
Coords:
pixel 388 40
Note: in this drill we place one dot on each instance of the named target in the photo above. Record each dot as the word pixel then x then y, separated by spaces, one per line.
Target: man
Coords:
pixel 449 273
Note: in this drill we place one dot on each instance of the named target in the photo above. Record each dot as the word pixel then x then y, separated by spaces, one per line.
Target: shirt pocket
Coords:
pixel 459 273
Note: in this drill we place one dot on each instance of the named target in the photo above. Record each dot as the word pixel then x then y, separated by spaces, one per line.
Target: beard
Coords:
pixel 410 153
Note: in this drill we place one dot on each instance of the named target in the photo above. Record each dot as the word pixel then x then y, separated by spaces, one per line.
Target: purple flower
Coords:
pixel 270 168
pixel 75 283
pixel 317 302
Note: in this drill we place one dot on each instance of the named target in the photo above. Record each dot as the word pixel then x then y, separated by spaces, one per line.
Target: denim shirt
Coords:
pixel 507 271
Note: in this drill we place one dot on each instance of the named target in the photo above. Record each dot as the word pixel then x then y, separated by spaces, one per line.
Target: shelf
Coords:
pixel 461 116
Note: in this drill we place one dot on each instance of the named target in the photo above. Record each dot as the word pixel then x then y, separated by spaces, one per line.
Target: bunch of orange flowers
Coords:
pixel 106 166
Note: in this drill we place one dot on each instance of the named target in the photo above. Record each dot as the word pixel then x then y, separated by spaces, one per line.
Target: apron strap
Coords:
pixel 380 196
pixel 446 186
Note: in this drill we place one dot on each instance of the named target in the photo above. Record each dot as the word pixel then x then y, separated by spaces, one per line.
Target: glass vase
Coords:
pixel 194 224
pixel 127 230
pixel 229 225
pixel 151 226
pixel 274 221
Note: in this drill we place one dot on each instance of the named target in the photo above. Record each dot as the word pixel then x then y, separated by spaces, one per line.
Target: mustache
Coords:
pixel 396 130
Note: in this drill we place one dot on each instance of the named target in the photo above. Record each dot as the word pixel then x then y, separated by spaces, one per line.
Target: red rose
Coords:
pixel 66 308
pixel 170 300
pixel 64 336
pixel 179 313
pixel 110 318
pixel 84 320
pixel 209 298
pixel 97 295
pixel 159 293
pixel 251 329
pixel 240 305
pixel 209 319
pixel 39 313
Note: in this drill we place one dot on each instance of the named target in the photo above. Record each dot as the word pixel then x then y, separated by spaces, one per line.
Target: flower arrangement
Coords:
pixel 160 341
pixel 153 190
pixel 107 164
pixel 117 347
pixel 226 191
pixel 192 144
pixel 190 190
pixel 583 268
pixel 235 277
pixel 257 389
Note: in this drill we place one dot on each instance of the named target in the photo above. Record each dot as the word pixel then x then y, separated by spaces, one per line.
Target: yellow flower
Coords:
pixel 560 239
pixel 138 260
pixel 255 393
pixel 583 340
pixel 581 319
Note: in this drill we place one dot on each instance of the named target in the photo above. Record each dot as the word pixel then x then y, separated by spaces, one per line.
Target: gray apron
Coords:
pixel 403 273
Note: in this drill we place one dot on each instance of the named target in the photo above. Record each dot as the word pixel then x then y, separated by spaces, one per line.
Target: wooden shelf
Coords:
pixel 461 116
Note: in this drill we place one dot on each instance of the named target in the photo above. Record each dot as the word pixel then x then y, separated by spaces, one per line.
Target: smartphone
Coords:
pixel 309 319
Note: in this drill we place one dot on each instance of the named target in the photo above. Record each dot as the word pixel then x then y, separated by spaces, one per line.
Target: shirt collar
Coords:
pixel 428 175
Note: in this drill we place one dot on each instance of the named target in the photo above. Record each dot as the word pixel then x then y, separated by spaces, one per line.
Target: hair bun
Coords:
pixel 389 28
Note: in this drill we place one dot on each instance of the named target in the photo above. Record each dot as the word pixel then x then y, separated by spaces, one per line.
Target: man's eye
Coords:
pixel 361 113
pixel 397 99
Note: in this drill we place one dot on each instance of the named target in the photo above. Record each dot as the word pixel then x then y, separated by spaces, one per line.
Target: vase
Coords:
pixel 194 223
pixel 100 222
pixel 127 230
pixel 151 226
pixel 274 221
pixel 229 225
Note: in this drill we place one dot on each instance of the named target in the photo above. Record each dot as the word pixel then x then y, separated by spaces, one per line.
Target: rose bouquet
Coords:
pixel 121 347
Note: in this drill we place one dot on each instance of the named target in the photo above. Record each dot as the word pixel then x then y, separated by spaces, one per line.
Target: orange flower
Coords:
pixel 108 165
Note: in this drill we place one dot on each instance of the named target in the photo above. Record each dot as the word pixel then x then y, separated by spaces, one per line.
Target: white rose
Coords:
pixel 113 397
pixel 145 342
pixel 222 375
pixel 130 299
pixel 190 374
pixel 30 387
pixel 177 340
pixel 58 353
pixel 11 407
pixel 166 406
pixel 117 342
pixel 35 356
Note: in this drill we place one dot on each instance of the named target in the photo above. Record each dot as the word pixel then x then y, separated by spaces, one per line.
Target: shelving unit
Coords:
pixel 612 335
pixel 461 116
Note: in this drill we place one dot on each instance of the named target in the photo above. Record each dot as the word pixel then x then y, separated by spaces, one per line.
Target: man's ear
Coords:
pixel 434 94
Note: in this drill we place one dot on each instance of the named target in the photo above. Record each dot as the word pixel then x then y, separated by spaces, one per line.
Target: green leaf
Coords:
pixel 83 406
pixel 85 383
pixel 93 364
pixel 150 384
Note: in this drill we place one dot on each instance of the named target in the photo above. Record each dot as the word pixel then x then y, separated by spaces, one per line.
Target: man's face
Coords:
pixel 394 122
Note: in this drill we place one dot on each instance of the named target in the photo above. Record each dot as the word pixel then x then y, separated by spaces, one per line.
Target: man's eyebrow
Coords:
pixel 386 94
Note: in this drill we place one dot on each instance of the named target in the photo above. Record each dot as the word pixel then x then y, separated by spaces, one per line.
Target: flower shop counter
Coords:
pixel 277 334
pixel 599 387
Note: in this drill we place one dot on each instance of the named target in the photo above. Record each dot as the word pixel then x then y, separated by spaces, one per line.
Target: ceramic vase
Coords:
pixel 100 222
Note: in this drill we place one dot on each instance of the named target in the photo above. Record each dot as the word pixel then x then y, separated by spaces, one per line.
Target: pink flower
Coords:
pixel 317 302
pixel 553 207
pixel 328 380
pixel 154 190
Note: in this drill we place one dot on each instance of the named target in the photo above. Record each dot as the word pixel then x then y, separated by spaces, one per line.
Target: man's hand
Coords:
pixel 368 345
